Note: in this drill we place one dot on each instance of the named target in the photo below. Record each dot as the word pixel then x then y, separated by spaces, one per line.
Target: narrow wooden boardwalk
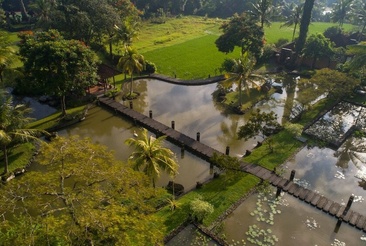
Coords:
pixel 335 209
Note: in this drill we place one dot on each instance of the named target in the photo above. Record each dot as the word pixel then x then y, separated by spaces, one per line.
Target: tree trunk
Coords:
pixel 304 26
pixel 63 105
pixel 131 85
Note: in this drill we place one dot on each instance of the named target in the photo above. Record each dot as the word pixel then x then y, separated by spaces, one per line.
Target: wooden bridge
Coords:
pixel 335 209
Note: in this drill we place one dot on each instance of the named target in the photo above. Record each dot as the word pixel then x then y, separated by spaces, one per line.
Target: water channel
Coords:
pixel 193 110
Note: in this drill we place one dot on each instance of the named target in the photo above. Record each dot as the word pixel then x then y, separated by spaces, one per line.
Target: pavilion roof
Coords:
pixel 105 71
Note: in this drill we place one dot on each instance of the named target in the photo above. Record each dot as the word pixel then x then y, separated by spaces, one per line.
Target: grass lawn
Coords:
pixel 220 192
pixel 19 157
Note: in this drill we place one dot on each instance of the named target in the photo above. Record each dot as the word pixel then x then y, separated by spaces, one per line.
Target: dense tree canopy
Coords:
pixel 330 83
pixel 57 66
pixel 316 46
pixel 243 32
pixel 84 197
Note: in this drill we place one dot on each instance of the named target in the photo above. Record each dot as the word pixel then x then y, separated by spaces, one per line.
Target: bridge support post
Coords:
pixel 348 206
pixel 150 114
pixel 131 105
pixel 227 152
pixel 292 176
pixel 173 124
pixel 338 225
pixel 182 152
pixel 198 136
pixel 278 193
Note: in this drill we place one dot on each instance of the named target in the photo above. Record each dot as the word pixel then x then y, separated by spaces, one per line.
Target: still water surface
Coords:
pixel 193 110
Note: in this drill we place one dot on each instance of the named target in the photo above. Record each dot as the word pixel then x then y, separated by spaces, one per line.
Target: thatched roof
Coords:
pixel 105 71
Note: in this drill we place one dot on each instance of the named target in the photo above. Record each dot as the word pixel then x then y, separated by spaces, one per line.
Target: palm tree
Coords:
pixel 150 156
pixel 124 34
pixel 43 9
pixel 130 63
pixel 359 15
pixel 13 121
pixel 262 9
pixel 7 54
pixel 294 18
pixel 241 74
pixel 340 11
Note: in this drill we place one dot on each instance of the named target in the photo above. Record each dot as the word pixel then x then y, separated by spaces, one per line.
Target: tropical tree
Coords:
pixel 13 122
pixel 241 31
pixel 294 18
pixel 316 46
pixel 83 196
pixel 262 9
pixel 42 10
pixel 241 74
pixel 359 16
pixel 359 56
pixel 7 54
pixel 304 26
pixel 130 63
pixel 57 66
pixel 341 11
pixel 150 156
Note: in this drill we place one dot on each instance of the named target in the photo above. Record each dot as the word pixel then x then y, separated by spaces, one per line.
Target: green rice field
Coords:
pixel 185 47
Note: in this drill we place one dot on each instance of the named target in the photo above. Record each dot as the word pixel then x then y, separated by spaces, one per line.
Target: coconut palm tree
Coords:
pixel 151 157
pixel 43 9
pixel 130 63
pixel 13 121
pixel 241 74
pixel 359 59
pixel 294 18
pixel 341 11
pixel 262 9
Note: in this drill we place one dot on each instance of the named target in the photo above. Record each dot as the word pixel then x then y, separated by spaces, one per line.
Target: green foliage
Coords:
pixel 13 122
pixel 317 46
pixel 200 209
pixel 84 195
pixel 150 67
pixel 241 75
pixel 332 31
pixel 131 62
pixel 225 162
pixel 57 66
pixel 332 83
pixel 7 53
pixel 241 31
pixel 150 156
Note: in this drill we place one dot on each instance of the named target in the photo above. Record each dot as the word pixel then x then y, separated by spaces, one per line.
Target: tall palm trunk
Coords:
pixel 131 85
pixel 304 26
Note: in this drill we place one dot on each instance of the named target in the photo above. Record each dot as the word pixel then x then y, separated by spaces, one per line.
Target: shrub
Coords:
pixel 200 209
pixel 150 67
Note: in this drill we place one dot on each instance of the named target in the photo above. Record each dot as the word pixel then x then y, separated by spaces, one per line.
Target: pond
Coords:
pixel 192 108
pixel 263 220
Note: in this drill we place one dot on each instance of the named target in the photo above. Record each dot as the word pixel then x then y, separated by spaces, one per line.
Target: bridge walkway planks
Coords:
pixel 206 152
